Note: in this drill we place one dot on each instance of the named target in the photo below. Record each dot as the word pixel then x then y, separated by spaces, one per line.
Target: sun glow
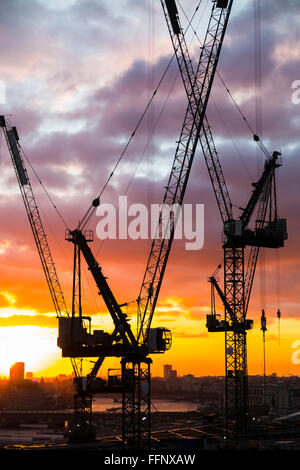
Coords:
pixel 3 247
pixel 30 344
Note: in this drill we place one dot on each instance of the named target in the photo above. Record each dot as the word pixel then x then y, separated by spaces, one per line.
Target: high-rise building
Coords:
pixel 29 376
pixel 173 375
pixel 167 371
pixel 16 372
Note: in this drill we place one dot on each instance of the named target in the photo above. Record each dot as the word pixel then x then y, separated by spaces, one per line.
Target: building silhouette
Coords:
pixel 17 372
pixel 167 371
pixel 29 376
pixel 170 377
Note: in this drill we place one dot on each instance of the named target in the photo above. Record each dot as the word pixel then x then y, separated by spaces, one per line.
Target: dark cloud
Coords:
pixel 78 81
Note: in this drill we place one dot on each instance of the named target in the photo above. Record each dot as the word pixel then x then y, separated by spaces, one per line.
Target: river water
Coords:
pixel 105 404
pixel 39 433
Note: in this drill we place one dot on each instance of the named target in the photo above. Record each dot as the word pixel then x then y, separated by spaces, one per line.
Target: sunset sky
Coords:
pixel 78 75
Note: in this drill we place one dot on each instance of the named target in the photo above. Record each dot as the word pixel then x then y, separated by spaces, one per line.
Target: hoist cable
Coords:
pixel 89 213
pixel 257 138
pixel 45 190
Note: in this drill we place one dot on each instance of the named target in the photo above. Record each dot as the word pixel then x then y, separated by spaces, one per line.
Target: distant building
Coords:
pixel 16 372
pixel 173 379
pixel 170 377
pixel 167 371
pixel 29 376
pixel 24 395
pixel 173 374
pixel 280 396
pixel 190 383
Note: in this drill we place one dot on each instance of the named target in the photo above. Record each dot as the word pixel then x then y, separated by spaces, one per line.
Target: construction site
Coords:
pixel 209 287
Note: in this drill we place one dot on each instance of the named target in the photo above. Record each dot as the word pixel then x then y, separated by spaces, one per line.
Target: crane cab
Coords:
pixel 222 3
pixel 270 235
pixel 214 324
pixel 159 340
pixel 76 332
pixel 273 234
pixel 233 228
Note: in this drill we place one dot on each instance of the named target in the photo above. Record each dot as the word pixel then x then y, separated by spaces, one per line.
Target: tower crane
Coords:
pixel 76 342
pixel 135 351
pixel 18 159
pixel 74 330
pixel 270 231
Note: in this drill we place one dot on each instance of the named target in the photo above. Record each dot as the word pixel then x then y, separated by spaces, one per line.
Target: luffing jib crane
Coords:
pixel 18 159
pixel 270 231
pixel 135 363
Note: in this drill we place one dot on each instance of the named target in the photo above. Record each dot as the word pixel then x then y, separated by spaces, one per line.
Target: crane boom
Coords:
pixel 262 201
pixel 260 186
pixel 119 318
pixel 189 75
pixel 40 237
pixel 215 283
pixel 236 324
pixel 183 159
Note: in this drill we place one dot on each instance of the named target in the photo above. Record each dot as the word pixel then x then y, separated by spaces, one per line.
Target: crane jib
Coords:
pixel 186 148
pixel 40 237
pixel 17 157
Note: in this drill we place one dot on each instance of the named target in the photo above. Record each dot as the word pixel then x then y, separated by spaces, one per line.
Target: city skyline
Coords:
pixel 29 375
